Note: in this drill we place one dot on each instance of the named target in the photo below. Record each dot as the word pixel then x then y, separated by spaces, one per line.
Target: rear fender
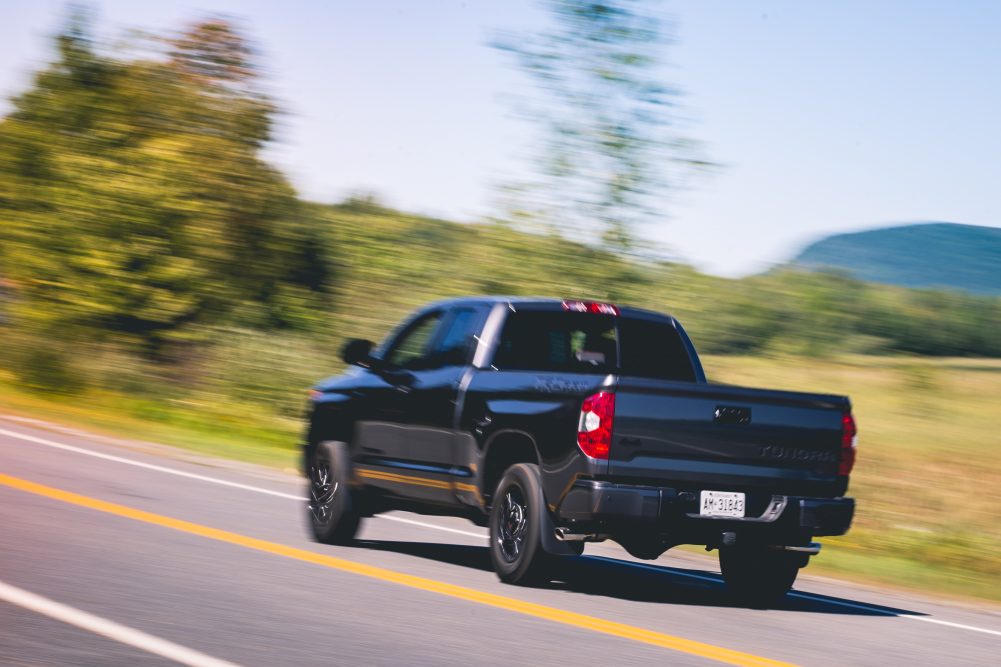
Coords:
pixel 520 454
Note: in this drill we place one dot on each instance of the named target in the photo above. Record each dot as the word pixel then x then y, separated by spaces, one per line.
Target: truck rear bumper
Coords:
pixel 605 504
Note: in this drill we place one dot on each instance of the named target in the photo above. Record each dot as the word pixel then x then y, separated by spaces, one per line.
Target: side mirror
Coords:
pixel 357 352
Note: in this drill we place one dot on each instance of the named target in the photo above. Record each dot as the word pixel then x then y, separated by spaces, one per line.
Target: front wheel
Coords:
pixel 516 525
pixel 330 510
pixel 759 576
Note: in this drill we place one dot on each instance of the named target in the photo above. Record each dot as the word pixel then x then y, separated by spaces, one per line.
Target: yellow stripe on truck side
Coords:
pixel 582 621
pixel 368 473
pixel 402 479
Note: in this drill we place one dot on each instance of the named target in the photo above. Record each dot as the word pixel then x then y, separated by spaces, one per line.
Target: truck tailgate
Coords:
pixel 706 436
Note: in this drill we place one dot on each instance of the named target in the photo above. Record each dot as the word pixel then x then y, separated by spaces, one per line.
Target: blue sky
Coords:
pixel 825 117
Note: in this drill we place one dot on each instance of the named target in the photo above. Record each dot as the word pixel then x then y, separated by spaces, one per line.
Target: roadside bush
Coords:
pixel 49 369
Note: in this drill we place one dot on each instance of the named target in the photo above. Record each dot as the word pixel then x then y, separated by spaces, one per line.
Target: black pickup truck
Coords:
pixel 560 422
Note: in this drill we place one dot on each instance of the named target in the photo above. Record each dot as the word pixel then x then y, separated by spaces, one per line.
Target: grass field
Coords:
pixel 928 468
pixel 230 430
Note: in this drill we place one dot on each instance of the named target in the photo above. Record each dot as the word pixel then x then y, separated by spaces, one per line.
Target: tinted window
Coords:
pixel 586 343
pixel 456 344
pixel 654 350
pixel 576 342
pixel 410 350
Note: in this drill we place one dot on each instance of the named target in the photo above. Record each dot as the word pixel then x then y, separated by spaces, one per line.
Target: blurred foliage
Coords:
pixel 609 148
pixel 135 204
pixel 390 262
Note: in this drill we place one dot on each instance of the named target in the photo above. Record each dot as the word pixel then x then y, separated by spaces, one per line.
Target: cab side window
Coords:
pixel 455 347
pixel 410 351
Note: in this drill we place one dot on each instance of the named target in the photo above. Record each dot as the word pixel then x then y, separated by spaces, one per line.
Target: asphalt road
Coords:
pixel 125 553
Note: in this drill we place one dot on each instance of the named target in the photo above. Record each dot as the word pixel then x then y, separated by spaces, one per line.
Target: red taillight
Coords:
pixel 594 430
pixel 591 307
pixel 849 438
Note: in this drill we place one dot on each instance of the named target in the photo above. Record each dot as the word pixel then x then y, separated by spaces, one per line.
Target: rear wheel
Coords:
pixel 759 576
pixel 331 510
pixel 516 527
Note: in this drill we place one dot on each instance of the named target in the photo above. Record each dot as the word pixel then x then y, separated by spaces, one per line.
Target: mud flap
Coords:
pixel 549 543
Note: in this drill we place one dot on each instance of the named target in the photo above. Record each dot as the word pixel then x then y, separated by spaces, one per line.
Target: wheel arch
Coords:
pixel 502 450
pixel 328 420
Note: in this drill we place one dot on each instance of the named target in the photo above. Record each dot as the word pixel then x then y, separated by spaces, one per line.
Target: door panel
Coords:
pixel 428 408
pixel 382 433
pixel 411 445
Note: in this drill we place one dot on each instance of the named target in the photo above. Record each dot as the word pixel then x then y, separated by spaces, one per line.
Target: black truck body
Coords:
pixel 606 410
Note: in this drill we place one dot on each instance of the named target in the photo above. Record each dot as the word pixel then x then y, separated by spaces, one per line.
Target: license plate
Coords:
pixel 721 503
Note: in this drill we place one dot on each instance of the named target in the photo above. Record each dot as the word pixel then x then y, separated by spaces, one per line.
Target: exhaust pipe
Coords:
pixel 812 549
pixel 565 535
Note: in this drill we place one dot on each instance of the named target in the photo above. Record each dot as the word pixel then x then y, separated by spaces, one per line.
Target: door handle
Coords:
pixel 403 381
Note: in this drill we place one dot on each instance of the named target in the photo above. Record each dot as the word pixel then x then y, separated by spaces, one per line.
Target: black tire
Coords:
pixel 330 509
pixel 758 576
pixel 516 527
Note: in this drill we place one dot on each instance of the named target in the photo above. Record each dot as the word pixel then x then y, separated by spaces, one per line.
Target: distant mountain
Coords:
pixel 937 254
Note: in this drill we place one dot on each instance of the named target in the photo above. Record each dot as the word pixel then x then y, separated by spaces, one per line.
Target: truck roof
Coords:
pixel 537 301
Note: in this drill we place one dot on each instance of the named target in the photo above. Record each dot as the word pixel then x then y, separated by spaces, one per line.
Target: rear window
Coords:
pixel 547 341
pixel 590 343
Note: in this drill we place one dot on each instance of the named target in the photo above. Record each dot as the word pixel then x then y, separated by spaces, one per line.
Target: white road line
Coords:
pixel 148 466
pixel 289 496
pixel 109 629
pixel 929 619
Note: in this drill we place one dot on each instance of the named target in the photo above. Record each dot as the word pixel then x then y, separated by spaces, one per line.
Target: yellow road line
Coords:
pixel 553 614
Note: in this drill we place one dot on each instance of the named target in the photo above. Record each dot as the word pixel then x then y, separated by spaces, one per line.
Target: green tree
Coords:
pixel 133 198
pixel 609 150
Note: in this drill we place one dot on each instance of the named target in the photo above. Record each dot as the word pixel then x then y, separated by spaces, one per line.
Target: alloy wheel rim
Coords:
pixel 321 491
pixel 512 525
